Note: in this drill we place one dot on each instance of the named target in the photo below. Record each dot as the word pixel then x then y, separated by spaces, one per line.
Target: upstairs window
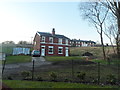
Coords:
pixel 66 41
pixel 60 40
pixel 50 39
pixel 43 39
pixel 50 50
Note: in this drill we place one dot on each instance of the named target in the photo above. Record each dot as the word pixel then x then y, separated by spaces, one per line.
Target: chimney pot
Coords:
pixel 53 31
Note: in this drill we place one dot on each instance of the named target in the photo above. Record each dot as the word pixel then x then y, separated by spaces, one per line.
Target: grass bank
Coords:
pixel 38 84
pixel 96 51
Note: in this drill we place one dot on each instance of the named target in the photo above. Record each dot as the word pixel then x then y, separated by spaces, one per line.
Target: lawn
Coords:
pixel 38 84
pixel 113 61
pixel 17 59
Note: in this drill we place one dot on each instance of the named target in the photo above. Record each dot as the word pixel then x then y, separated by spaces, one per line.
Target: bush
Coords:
pixel 25 74
pixel 39 78
pixel 95 80
pixel 27 78
pixel 66 80
pixel 53 75
pixel 81 76
pixel 111 79
pixel 9 77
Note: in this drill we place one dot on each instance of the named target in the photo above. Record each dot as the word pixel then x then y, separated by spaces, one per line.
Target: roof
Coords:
pixel 50 35
pixel 82 41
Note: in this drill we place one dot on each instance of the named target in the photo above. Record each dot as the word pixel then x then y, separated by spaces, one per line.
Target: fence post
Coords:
pixel 118 73
pixel 33 70
pixel 3 66
pixel 98 72
pixel 72 69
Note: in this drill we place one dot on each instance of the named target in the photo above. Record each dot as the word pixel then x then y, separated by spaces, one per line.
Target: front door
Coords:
pixel 66 52
pixel 42 50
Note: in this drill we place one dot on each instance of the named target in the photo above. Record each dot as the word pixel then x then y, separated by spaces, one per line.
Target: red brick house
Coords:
pixel 51 44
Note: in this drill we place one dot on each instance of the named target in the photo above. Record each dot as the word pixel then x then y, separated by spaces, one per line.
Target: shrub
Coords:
pixel 27 78
pixel 81 76
pixel 9 77
pixel 25 74
pixel 39 78
pixel 53 75
pixel 111 79
pixel 95 80
pixel 66 80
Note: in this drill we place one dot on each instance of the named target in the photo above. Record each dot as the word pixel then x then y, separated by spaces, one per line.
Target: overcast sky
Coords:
pixel 21 20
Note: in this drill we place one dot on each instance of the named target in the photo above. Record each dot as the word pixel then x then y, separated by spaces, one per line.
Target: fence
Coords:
pixel 78 71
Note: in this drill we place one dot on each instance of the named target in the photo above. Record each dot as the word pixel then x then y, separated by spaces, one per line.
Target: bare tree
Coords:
pixel 111 32
pixel 114 6
pixel 96 14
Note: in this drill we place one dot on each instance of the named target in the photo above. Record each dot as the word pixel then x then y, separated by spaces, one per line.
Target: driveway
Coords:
pixel 18 67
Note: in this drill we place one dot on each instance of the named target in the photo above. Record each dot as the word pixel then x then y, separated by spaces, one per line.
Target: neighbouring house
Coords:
pixel 82 43
pixel 50 44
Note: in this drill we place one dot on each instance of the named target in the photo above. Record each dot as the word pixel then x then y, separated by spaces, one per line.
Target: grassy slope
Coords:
pixel 17 59
pixel 37 84
pixel 96 51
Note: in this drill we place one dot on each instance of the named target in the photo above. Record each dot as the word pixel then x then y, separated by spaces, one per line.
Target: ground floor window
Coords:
pixel 60 50
pixel 50 49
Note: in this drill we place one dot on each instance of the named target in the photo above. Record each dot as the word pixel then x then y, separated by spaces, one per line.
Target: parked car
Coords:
pixel 36 53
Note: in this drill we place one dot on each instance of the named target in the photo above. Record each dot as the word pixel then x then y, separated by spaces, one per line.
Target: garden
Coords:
pixel 73 69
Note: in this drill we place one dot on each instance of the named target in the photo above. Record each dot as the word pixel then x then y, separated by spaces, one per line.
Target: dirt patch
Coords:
pixel 76 62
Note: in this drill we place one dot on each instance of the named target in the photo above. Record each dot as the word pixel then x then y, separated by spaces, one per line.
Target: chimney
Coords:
pixel 53 31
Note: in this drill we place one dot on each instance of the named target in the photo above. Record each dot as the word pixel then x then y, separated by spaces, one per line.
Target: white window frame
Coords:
pixel 61 49
pixel 60 40
pixel 43 39
pixel 35 43
pixel 50 39
pixel 66 41
pixel 52 49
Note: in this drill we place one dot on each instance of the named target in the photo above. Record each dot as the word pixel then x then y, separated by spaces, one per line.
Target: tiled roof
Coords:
pixel 50 35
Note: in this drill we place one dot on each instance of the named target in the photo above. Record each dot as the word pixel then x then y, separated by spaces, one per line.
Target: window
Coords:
pixel 67 41
pixel 35 43
pixel 50 39
pixel 60 50
pixel 50 50
pixel 60 41
pixel 43 39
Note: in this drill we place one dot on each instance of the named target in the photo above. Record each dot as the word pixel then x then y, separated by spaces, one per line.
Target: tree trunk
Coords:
pixel 103 48
pixel 118 36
